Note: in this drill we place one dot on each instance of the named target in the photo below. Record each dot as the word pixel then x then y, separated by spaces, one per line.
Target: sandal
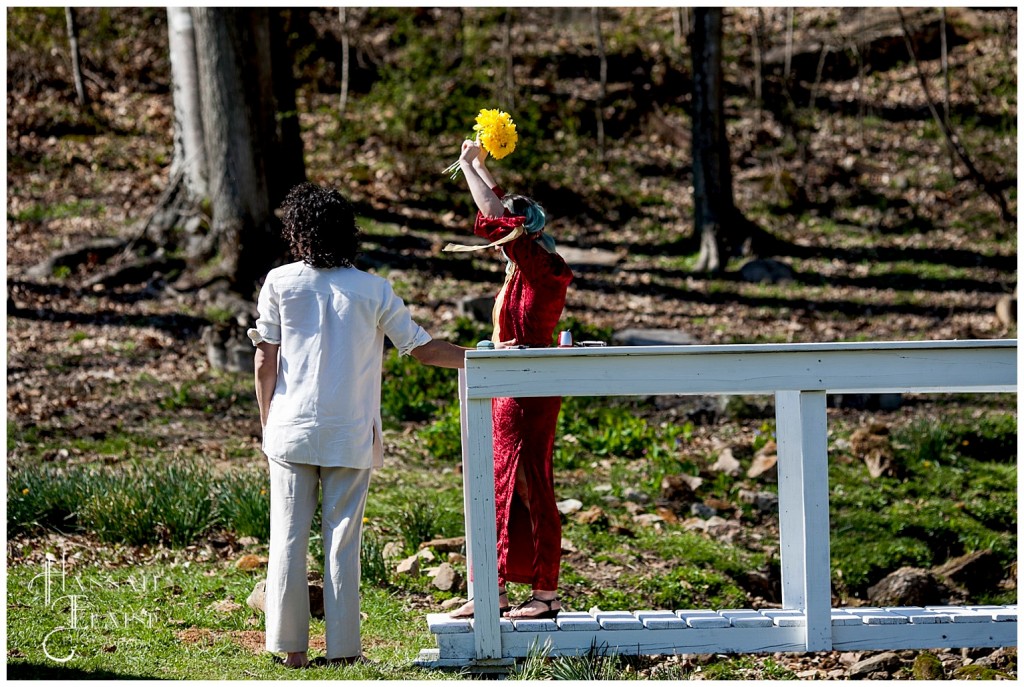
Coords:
pixel 550 613
pixel 321 661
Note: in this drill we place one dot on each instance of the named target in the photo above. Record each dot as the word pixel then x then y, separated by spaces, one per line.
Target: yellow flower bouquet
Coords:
pixel 496 132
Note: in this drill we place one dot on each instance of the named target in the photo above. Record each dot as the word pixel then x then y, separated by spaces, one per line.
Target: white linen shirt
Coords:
pixel 330 324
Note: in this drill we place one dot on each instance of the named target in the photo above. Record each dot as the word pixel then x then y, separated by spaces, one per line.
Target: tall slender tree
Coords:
pixel 345 69
pixel 189 160
pixel 602 92
pixel 714 210
pixel 76 62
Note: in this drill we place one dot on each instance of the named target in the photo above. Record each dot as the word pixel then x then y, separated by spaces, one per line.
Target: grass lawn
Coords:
pixel 179 620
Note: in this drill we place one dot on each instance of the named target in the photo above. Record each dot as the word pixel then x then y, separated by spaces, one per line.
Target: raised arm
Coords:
pixel 479 179
pixel 480 164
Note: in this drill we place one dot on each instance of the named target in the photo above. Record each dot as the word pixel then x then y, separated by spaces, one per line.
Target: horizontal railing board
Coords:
pixel 846 367
pixel 923 636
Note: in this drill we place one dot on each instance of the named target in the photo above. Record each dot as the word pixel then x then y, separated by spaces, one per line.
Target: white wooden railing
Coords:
pixel 799 376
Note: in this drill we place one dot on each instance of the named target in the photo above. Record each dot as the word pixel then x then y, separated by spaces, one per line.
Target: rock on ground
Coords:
pixel 909 587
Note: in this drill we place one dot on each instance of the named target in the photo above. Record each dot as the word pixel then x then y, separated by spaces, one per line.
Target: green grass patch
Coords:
pixel 51 211
pixel 745 668
pixel 115 442
pixel 955 491
pixel 704 573
pixel 141 506
pixel 243 503
pixel 213 393
pixel 161 622
pixel 412 515
pixel 173 504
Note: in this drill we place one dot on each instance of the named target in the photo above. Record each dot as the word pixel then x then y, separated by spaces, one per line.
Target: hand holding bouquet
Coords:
pixel 496 132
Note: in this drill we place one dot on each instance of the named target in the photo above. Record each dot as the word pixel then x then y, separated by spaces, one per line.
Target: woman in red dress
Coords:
pixel 526 312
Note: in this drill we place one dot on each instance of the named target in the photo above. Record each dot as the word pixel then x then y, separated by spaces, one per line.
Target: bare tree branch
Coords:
pixel 952 140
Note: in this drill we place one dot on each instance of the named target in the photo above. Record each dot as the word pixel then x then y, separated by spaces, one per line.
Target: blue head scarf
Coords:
pixel 535 218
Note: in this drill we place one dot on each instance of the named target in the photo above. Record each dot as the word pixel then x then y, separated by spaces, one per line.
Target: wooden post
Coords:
pixel 801 431
pixel 481 538
pixel 791 517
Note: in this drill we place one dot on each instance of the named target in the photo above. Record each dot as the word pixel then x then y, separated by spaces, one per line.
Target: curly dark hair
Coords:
pixel 320 226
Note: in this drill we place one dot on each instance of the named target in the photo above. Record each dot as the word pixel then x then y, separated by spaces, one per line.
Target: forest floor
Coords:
pixel 911 251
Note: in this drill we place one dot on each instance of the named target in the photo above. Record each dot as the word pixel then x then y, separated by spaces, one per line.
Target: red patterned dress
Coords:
pixel 526 309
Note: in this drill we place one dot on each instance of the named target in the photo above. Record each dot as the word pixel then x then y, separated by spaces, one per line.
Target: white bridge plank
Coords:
pixel 664 622
pixel 997 613
pixel 702 619
pixel 747 619
pixel 620 623
pixel 841 618
pixel 443 624
pixel 535 625
pixel 576 621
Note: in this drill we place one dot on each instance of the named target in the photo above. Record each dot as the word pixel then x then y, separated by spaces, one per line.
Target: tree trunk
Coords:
pixel 680 26
pixel 714 212
pixel 345 68
pixel 506 47
pixel 231 121
pixel 189 148
pixel 603 80
pixel 237 145
pixel 76 63
pixel 286 153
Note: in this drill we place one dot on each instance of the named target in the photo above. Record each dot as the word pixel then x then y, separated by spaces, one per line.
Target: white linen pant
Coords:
pixel 293 499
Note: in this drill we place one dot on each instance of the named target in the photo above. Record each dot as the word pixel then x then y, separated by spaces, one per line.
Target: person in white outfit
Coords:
pixel 319 344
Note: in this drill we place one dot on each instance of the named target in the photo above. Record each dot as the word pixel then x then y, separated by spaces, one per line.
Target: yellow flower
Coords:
pixel 263 492
pixel 24 491
pixel 497 132
pixel 366 520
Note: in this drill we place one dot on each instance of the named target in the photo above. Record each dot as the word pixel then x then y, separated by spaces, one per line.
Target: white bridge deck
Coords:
pixel 728 631
pixel 799 376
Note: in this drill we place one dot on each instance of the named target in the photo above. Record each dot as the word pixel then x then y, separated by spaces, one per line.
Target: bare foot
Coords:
pixel 466 609
pixel 296 659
